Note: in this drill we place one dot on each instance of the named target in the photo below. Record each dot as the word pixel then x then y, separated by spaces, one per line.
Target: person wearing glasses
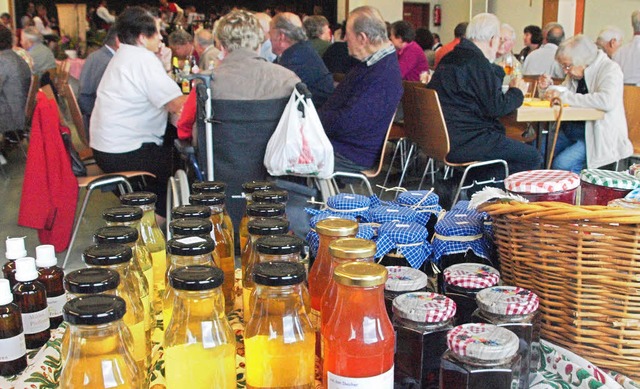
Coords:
pixel 592 80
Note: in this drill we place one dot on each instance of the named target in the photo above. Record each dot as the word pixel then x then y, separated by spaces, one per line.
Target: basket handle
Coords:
pixel 556 104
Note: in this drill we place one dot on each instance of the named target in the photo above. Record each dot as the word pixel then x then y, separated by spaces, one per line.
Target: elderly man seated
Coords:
pixel 594 81
pixel 43 59
pixel 610 39
pixel 469 86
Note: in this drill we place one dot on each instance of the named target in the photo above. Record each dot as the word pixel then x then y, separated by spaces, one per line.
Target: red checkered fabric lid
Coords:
pixel 507 300
pixel 424 307
pixel 471 276
pixel 542 181
pixel 405 279
pixel 482 341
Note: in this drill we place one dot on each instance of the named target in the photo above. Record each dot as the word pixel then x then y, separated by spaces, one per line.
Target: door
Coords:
pixel 416 13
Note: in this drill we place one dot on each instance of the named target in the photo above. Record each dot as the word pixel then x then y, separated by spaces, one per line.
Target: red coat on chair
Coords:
pixel 49 190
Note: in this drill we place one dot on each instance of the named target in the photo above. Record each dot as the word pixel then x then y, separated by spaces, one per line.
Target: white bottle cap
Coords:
pixel 46 256
pixel 6 296
pixel 26 269
pixel 15 248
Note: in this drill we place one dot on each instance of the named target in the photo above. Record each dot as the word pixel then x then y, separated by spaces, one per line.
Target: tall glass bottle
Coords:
pixel 208 187
pixel 191 212
pixel 248 189
pixel 199 335
pixel 153 239
pixel 15 250
pixel 359 338
pixel 118 257
pixel 13 349
pixel 99 355
pixel 259 210
pixel 259 228
pixel 279 338
pixel 183 228
pixel 51 276
pixel 271 196
pixel 31 297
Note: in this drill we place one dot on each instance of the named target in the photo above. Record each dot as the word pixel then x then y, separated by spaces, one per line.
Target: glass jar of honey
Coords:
pixel 213 187
pixel 183 228
pixel 462 282
pixel 248 189
pixel 191 212
pixel 272 196
pixel 199 335
pixel 259 210
pixel 279 338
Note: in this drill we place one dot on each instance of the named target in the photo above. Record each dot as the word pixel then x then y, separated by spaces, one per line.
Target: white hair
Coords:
pixel 508 27
pixel 483 27
pixel 610 32
pixel 579 49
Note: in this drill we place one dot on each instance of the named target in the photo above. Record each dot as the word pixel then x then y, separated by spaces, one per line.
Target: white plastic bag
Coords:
pixel 299 145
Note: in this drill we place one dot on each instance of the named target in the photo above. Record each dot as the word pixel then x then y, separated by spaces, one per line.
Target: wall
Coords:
pixel 601 13
pixel 518 17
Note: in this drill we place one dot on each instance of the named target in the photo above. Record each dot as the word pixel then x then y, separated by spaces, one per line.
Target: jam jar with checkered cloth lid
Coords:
pixel 403 244
pixel 421 321
pixel 425 203
pixel 463 281
pixel 401 280
pixel 544 185
pixel 515 309
pixel 480 356
pixel 346 204
pixel 391 213
pixel 598 187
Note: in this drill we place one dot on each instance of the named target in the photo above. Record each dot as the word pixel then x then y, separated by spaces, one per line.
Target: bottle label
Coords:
pixel 12 348
pixel 34 322
pixel 55 305
pixel 382 381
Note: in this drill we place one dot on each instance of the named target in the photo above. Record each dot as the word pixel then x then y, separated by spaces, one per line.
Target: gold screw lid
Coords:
pixel 352 248
pixel 361 274
pixel 337 227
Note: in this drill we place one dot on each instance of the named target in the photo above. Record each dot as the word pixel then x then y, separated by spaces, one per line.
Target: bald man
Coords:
pixel 207 52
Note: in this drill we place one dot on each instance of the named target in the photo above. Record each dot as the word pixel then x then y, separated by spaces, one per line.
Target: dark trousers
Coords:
pixel 519 156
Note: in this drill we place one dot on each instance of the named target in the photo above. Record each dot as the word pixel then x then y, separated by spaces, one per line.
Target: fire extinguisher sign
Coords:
pixel 437 15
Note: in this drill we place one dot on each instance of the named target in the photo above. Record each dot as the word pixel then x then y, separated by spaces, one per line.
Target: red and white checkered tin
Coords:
pixel 481 341
pixel 507 300
pixel 471 276
pixel 542 181
pixel 424 307
pixel 405 279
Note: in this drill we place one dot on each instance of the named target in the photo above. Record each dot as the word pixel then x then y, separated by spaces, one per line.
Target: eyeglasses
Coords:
pixel 566 67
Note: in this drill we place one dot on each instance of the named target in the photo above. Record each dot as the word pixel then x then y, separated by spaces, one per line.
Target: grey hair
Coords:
pixel 610 32
pixel 635 21
pixel 550 33
pixel 579 49
pixel 510 29
pixel 203 37
pixel 239 29
pixel 483 27
pixel 290 25
pixel 314 25
pixel 180 38
pixel 369 21
pixel 33 34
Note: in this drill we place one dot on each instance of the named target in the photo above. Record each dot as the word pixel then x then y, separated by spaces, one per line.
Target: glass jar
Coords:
pixel 271 196
pixel 15 249
pixel 51 276
pixel 480 356
pixel 118 257
pixel 31 297
pixel 271 248
pixel 359 339
pixel 598 187
pixel 401 280
pixel 191 212
pixel 426 203
pixel 515 309
pixel 153 239
pixel 13 348
pixel 216 203
pixel 248 188
pixel 421 321
pixel 199 335
pixel 259 210
pixel 544 185
pixel 194 250
pixel 183 228
pixel 462 282
pixel 214 187
pixel 100 354
pixel 279 338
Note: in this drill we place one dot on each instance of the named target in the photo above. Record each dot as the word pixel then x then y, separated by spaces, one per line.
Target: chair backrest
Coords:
pixel 374 173
pixel 76 115
pixel 31 98
pixel 48 91
pixel 408 105
pixel 431 131
pixel 62 75
pixel 632 112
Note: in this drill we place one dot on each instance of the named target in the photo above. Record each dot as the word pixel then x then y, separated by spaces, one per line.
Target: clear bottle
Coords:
pixel 258 228
pixel 100 354
pixel 199 335
pixel 153 239
pixel 259 210
pixel 191 212
pixel 208 187
pixel 223 255
pixel 271 196
pixel 248 188
pixel 13 349
pixel 193 250
pixel 52 277
pixel 15 250
pixel 272 248
pixel 279 338
pixel 129 237
pixel 359 339
pixel 184 228
pixel 31 297
pixel 118 257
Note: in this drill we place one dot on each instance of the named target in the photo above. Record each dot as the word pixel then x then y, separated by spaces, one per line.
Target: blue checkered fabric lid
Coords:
pixel 409 240
pixel 459 230
pixel 390 213
pixel 425 202
pixel 634 195
pixel 347 204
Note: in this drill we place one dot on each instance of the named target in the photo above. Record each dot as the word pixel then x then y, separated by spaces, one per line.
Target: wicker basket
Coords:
pixel 584 263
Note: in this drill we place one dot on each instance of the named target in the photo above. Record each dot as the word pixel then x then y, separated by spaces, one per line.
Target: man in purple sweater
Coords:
pixel 357 115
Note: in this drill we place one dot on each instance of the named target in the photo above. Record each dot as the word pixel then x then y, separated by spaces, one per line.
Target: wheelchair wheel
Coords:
pixel 177 194
pixel 183 186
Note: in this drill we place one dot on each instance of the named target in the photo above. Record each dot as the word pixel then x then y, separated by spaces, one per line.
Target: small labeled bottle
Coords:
pixel 199 335
pixel 184 228
pixel 461 284
pixel 52 277
pixel 15 250
pixel 259 210
pixel 480 356
pixel 31 297
pixel 359 339
pixel 421 321
pixel 259 228
pixel 248 188
pixel 100 354
pixel 279 338
pixel 211 187
pixel 515 309
pixel 401 280
pixel 13 349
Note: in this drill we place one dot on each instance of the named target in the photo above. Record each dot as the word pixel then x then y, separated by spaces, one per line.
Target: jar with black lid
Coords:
pixel 183 228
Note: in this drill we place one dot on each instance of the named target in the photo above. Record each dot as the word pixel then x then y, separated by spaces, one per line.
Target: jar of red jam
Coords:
pixel 463 281
pixel 401 280
pixel 598 187
pixel 544 185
